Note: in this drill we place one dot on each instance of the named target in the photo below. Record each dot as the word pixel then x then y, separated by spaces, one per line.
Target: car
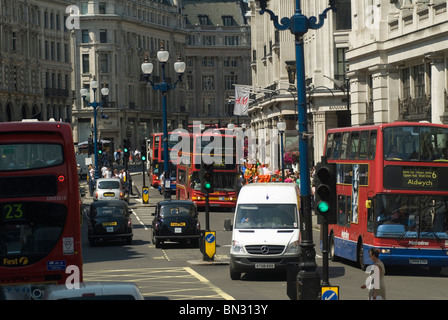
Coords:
pixel 110 189
pixel 109 220
pixel 177 221
pixel 94 291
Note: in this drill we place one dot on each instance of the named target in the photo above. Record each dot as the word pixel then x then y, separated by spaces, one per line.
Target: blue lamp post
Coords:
pixel 308 280
pixel 163 87
pixel 95 105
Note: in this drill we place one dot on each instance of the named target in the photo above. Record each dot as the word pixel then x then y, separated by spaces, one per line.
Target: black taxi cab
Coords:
pixel 176 221
pixel 109 220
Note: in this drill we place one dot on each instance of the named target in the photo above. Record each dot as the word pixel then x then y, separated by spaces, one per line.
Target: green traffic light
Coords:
pixel 143 158
pixel 100 152
pixel 207 185
pixel 125 149
pixel 323 206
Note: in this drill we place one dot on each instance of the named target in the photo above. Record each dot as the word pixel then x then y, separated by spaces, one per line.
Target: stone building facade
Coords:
pixel 35 61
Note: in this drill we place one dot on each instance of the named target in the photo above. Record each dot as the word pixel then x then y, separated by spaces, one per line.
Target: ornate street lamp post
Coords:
pixel 95 105
pixel 163 87
pixel 308 280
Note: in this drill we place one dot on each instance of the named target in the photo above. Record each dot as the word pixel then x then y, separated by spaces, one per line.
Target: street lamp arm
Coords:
pixel 312 21
pixel 284 24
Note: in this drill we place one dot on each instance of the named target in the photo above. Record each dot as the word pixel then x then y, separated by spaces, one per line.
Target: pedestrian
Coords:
pixel 377 291
pixel 91 178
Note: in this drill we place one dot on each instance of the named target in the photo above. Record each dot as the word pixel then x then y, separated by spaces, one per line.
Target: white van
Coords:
pixel 266 228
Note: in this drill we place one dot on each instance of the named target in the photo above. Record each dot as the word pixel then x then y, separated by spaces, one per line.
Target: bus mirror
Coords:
pixel 368 204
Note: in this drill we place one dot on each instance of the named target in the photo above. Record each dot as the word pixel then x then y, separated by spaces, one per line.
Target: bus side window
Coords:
pixel 336 145
pixel 354 144
pixel 370 216
pixel 363 144
pixel 372 145
pixel 329 146
pixel 344 145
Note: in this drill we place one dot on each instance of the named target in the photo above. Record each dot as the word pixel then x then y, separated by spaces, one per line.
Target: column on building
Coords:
pixel 438 89
pixel 379 93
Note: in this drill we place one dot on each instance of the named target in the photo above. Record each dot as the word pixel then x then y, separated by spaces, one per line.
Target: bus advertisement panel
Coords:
pixel 210 147
pixel 40 220
pixel 392 193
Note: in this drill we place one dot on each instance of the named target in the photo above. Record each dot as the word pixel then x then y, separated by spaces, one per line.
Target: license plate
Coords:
pixel 418 261
pixel 264 266
pixel 109 224
pixel 178 224
pixel 177 230
pixel 110 229
pixel 109 194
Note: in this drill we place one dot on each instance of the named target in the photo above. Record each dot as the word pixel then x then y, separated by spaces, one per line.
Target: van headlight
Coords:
pixel 293 247
pixel 237 248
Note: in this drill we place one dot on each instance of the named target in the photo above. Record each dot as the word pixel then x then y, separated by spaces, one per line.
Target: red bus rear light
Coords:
pixel 61 178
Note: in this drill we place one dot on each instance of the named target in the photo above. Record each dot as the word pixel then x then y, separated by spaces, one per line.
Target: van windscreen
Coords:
pixel 266 216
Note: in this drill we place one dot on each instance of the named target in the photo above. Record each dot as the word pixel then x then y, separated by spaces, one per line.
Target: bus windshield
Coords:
pixel 222 181
pixel 27 156
pixel 31 228
pixel 411 216
pixel 266 216
pixel 416 143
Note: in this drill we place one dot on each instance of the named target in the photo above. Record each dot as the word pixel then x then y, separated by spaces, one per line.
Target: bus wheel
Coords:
pixel 333 257
pixel 360 255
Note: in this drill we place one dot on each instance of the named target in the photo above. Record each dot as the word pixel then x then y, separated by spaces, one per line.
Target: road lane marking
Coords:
pixel 206 281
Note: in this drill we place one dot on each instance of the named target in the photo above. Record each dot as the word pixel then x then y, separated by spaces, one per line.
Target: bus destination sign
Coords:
pixel 415 178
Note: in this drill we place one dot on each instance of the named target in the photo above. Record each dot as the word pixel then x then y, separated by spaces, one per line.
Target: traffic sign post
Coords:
pixel 145 195
pixel 209 245
pixel 330 293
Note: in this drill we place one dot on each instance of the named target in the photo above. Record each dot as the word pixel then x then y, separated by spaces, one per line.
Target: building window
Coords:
pixel 208 82
pixel 102 7
pixel 343 15
pixel 190 82
pixel 228 21
pixel 84 7
pixel 85 36
pixel 406 83
pixel 341 64
pixel 419 81
pixel 85 63
pixel 229 81
pixel 103 36
pixel 104 63
pixel 204 20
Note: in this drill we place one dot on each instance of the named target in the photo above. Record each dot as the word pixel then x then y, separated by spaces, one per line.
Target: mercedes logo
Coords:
pixel 264 249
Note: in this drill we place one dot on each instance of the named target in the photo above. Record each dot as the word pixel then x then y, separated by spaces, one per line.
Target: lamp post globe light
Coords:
pixel 95 105
pixel 147 68
pixel 308 280
pixel 281 127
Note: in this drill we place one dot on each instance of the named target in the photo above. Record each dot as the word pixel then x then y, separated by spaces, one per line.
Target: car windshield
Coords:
pixel 177 210
pixel 108 185
pixel 411 216
pixel 26 156
pixel 416 143
pixel 266 216
pixel 107 211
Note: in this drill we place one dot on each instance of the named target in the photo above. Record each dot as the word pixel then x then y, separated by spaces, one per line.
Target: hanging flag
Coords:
pixel 241 101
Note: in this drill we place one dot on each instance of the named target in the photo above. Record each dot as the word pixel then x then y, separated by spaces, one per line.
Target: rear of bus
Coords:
pixel 40 234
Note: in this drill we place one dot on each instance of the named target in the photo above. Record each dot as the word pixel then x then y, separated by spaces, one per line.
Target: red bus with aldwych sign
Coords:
pixel 392 193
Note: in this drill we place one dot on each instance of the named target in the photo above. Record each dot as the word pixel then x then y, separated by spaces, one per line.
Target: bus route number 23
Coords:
pixel 12 211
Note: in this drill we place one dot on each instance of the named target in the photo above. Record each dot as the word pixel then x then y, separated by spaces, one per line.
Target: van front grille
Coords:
pixel 265 249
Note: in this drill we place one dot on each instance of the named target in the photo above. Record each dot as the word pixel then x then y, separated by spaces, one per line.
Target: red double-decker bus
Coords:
pixel 154 170
pixel 392 192
pixel 223 155
pixel 40 221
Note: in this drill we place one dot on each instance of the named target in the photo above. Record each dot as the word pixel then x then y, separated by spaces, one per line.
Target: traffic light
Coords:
pixel 100 148
pixel 325 192
pixel 126 147
pixel 206 178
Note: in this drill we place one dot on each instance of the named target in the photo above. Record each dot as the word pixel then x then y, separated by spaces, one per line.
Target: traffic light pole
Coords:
pixel 308 279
